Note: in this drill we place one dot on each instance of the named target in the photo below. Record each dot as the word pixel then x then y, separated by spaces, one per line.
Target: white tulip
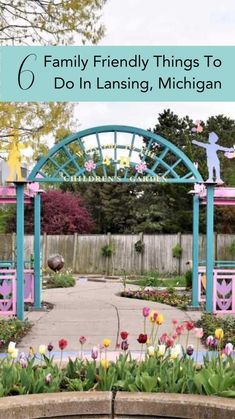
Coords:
pixel 151 350
pixel 14 354
pixel 161 350
pixel 11 347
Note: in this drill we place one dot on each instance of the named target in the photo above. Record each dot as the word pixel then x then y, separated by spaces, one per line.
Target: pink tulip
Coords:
pixel 209 340
pixel 228 350
pixel 146 311
pixel 163 338
pixel 175 335
pixel 179 329
pixel 174 322
pixel 198 331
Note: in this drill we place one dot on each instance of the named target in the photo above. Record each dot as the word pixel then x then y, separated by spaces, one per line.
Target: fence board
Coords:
pixel 82 253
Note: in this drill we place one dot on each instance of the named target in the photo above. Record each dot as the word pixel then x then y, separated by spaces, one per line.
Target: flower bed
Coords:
pixel 169 297
pixel 210 322
pixel 163 365
pixel 12 329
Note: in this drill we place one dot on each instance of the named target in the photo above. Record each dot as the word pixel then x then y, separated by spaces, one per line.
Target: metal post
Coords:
pixel 195 302
pixel 209 247
pixel 20 250
pixel 37 252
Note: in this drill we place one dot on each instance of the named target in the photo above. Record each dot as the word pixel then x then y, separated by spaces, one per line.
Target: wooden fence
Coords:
pixel 82 253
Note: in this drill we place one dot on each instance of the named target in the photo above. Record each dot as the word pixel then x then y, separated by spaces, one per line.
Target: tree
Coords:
pixel 35 123
pixel 62 213
pixel 50 22
pixel 45 22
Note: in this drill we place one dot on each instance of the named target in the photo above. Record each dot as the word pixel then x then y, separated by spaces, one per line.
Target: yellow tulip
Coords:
pixel 42 349
pixel 160 319
pixel 104 363
pixel 106 342
pixel 219 334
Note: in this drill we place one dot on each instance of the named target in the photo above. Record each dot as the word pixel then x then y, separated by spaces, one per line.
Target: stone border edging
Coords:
pixel 104 405
pixel 170 405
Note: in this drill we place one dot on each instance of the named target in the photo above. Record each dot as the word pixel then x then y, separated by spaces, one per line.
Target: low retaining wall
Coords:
pixel 104 405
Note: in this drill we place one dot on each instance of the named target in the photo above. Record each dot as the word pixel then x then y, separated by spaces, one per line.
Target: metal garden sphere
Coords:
pixel 55 262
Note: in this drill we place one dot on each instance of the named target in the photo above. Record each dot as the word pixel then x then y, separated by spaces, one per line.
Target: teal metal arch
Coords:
pixel 158 159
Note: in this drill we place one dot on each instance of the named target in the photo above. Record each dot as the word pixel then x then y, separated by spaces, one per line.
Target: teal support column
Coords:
pixel 209 247
pixel 20 250
pixel 37 250
pixel 195 302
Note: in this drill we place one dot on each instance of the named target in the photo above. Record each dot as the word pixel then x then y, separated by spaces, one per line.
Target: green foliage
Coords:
pixel 12 330
pixel 151 374
pixel 232 248
pixel 210 322
pixel 61 280
pixel 107 250
pixel 177 251
pixel 188 278
pixel 139 246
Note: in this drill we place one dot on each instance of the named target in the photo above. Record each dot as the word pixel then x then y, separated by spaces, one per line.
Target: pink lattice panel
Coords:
pixel 224 291
pixel 7 292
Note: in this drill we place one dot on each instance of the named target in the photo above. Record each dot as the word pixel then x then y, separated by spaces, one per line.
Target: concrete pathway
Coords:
pixel 95 310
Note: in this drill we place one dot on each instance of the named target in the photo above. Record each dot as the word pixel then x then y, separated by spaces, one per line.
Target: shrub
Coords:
pixel 107 250
pixel 177 251
pixel 210 322
pixel 139 246
pixel 12 330
pixel 188 278
pixel 61 280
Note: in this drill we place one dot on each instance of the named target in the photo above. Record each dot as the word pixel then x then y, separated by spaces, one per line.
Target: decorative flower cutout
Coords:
pixel 124 162
pixel 141 167
pixel 90 165
pixel 198 127
pixel 107 161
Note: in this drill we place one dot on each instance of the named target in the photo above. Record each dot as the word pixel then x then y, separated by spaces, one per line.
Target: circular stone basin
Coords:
pixel 84 405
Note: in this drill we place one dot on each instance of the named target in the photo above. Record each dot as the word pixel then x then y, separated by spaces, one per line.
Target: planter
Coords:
pixel 84 405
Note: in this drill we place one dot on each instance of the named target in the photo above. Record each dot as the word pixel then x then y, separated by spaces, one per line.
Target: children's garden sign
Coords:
pixel 120 154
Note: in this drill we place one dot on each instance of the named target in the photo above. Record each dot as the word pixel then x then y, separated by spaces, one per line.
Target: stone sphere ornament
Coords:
pixel 55 262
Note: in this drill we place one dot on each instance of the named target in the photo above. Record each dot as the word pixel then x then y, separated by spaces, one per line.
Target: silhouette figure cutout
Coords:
pixel 14 160
pixel 213 162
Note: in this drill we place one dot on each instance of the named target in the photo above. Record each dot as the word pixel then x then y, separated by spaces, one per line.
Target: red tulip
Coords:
pixel 124 335
pixel 169 342
pixel 142 338
pixel 62 344
pixel 189 326
pixel 82 340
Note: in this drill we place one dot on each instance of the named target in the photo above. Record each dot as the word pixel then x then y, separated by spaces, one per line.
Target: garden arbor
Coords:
pixel 115 154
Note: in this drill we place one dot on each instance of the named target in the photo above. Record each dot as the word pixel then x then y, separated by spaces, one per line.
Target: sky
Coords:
pixel 155 22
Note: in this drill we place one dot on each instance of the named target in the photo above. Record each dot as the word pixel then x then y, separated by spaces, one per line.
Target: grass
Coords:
pixel 151 281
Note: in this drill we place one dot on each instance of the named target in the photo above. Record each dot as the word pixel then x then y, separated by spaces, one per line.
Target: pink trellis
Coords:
pixel 8 290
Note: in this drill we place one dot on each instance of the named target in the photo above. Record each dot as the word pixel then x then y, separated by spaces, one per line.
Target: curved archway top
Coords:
pixel 115 153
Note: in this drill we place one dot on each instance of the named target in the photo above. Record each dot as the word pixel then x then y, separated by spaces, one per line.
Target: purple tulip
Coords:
pixel 50 347
pixel 124 345
pixel 189 350
pixel 94 352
